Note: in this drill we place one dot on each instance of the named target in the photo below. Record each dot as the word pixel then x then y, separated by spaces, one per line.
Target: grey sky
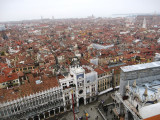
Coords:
pixel 34 9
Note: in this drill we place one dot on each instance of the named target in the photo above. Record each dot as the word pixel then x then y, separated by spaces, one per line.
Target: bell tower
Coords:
pixel 144 23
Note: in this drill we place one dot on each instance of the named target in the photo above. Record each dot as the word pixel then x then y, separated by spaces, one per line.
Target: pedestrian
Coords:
pixel 91 108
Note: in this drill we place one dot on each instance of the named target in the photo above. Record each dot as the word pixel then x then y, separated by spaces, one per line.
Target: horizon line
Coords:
pixel 109 16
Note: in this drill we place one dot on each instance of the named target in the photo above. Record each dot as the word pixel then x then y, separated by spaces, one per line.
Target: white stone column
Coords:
pixel 84 101
pixel 39 117
pixel 90 89
pixel 65 109
pixel 77 102
pixel 126 114
pixel 10 109
pixel 44 115
pixel 6 112
pixel 54 111
pixel 64 101
pixel 49 113
pixel 59 109
pixel 13 110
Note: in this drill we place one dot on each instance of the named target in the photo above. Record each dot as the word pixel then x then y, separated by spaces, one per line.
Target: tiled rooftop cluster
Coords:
pixel 36 54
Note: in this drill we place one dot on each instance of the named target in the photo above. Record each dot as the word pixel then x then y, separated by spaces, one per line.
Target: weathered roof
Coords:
pixel 28 88
pixel 10 77
pixel 140 66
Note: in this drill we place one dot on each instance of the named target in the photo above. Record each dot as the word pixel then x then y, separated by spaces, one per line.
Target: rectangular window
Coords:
pixel 29 68
pixel 24 68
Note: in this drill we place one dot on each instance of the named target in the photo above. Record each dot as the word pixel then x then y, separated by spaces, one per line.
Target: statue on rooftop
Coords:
pixel 134 84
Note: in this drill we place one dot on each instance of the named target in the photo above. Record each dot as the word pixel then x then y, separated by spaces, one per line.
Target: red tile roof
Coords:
pixel 5 78
pixel 99 71
pixel 29 87
pixel 157 117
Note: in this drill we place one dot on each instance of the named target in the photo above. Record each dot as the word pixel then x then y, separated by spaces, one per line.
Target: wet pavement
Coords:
pixel 91 109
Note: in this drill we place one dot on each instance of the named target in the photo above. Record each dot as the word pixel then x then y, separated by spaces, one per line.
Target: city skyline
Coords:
pixel 26 10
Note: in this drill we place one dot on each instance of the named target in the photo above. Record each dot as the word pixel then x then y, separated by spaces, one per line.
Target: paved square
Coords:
pixel 91 109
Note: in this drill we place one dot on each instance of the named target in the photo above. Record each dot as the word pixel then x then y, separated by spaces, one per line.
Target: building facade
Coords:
pixel 83 82
pixel 81 85
pixel 38 105
pixel 138 97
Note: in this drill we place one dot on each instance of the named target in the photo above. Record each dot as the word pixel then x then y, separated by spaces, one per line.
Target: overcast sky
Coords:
pixel 34 9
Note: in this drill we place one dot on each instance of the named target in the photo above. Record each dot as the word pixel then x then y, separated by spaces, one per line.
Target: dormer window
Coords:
pixel 9 76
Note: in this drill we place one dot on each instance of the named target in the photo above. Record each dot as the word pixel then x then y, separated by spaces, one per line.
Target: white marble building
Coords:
pixel 83 84
pixel 82 80
pixel 139 94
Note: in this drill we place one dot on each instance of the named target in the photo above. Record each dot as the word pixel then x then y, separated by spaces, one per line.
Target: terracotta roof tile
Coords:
pixel 5 78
